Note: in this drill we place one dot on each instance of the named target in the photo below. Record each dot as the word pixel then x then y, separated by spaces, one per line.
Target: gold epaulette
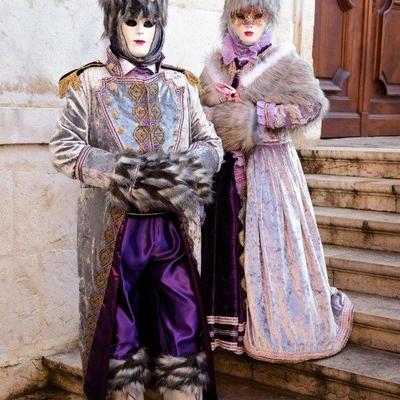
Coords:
pixel 190 76
pixel 71 79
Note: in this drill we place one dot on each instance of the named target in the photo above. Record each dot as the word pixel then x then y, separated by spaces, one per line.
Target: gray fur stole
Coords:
pixel 280 77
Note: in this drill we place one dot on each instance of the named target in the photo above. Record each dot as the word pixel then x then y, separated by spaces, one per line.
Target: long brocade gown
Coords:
pixel 291 313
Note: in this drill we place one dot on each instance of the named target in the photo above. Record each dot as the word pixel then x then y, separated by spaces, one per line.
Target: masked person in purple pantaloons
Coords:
pixel 266 285
pixel 134 133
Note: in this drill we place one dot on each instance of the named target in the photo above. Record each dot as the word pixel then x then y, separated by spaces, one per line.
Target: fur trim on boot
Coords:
pixel 159 182
pixel 178 395
pixel 130 392
pixel 188 374
pixel 129 376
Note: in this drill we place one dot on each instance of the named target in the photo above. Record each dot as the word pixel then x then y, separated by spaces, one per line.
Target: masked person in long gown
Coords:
pixel 267 289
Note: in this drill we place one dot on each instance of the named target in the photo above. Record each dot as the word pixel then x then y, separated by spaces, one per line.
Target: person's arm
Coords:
pixel 205 143
pixel 211 96
pixel 70 151
pixel 286 116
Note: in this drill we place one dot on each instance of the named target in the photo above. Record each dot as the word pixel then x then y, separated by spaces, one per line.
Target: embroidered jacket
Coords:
pixel 105 112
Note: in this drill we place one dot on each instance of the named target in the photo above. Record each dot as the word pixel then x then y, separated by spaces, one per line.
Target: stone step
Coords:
pixel 66 373
pixel 230 388
pixel 51 394
pixel 376 321
pixel 355 192
pixel 370 230
pixel 357 373
pixel 351 161
pixel 365 271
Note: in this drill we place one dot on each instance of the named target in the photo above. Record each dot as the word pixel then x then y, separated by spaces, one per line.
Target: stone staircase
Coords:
pixel 66 374
pixel 356 193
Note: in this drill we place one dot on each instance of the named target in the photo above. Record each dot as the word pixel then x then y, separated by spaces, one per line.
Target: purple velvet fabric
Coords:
pixel 289 116
pixel 153 258
pixel 96 376
pixel 221 271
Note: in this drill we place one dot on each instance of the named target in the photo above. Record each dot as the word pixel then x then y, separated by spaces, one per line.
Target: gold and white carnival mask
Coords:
pixel 249 24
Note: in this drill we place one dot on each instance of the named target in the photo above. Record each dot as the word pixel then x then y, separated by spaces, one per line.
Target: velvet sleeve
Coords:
pixel 288 116
pixel 205 143
pixel 70 151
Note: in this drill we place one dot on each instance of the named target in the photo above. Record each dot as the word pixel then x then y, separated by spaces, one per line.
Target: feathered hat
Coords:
pixel 231 7
pixel 156 10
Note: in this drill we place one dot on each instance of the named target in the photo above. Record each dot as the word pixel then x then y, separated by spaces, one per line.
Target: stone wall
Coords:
pixel 40 41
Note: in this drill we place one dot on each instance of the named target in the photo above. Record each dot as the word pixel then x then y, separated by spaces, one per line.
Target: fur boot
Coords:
pixel 178 395
pixel 185 377
pixel 159 182
pixel 128 378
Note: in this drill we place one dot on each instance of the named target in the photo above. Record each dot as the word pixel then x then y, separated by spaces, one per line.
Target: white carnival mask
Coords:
pixel 139 35
pixel 249 24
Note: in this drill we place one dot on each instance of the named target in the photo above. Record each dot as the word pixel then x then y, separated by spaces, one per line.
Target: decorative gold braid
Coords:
pixel 102 274
pixel 242 238
pixel 71 79
pixel 195 81
pixel 232 70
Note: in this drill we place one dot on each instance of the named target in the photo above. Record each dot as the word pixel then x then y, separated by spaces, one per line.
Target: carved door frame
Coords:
pixel 353 61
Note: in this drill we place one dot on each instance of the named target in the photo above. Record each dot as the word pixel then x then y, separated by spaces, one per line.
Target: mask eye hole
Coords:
pixel 131 22
pixel 240 16
pixel 148 24
pixel 259 16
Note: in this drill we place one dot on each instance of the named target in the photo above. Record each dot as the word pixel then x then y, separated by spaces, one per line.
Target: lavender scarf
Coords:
pixel 233 48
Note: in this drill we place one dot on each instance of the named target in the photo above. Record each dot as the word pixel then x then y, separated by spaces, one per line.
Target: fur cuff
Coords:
pixel 159 182
pixel 236 125
pixel 186 374
pixel 129 375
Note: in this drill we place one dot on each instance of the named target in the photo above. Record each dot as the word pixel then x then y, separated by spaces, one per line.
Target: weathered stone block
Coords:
pixel 364 162
pixel 367 283
pixel 45 206
pixel 376 338
pixel 59 297
pixel 230 364
pixel 22 378
pixel 20 305
pixel 6 212
pixel 24 125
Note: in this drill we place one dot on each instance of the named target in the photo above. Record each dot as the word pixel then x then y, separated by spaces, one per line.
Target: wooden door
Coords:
pixel 357 59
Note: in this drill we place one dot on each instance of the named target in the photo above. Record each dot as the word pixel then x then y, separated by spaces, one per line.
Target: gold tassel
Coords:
pixel 194 80
pixel 70 81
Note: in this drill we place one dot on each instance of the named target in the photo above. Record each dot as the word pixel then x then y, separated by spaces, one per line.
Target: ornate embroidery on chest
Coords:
pixel 148 134
pixel 146 115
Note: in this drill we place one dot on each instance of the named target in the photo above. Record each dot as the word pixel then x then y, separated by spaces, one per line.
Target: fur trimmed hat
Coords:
pixel 156 10
pixel 273 8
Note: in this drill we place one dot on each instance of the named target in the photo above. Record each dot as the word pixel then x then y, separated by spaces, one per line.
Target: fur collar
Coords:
pixel 268 60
